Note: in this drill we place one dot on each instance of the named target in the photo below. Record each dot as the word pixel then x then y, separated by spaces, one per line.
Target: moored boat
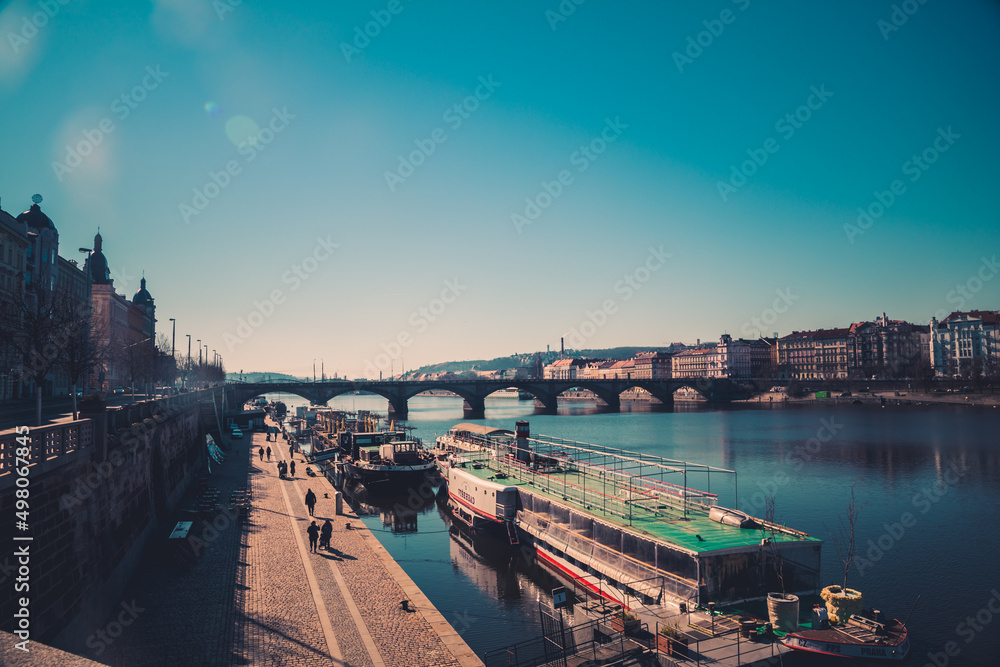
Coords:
pixel 483 504
pixel 384 461
pixel 611 523
pixel 861 637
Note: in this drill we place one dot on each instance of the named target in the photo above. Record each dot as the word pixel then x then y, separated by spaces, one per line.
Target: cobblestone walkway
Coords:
pixel 356 563
pixel 256 596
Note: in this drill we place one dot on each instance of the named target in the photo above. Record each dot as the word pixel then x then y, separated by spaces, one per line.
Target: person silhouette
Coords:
pixel 325 533
pixel 313 531
pixel 310 501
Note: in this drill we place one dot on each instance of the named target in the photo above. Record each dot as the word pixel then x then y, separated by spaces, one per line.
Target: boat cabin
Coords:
pixel 401 452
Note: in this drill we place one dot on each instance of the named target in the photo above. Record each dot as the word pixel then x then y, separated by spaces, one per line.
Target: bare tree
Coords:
pixel 85 347
pixel 35 328
pixel 843 539
pixel 165 366
pixel 137 358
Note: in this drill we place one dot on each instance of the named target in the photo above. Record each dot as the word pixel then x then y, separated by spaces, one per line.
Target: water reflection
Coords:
pixel 487 589
pixel 897 459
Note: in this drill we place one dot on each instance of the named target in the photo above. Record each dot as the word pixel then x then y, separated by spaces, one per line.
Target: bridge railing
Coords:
pixel 41 444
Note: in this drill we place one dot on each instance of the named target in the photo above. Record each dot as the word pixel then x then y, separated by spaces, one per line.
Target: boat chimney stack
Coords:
pixel 521 435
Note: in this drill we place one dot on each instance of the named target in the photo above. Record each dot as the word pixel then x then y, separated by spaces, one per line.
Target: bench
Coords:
pixel 180 551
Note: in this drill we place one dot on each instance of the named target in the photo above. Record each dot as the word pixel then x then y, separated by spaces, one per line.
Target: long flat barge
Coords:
pixel 620 525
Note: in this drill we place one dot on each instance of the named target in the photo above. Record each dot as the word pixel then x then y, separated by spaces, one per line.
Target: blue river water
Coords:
pixel 927 481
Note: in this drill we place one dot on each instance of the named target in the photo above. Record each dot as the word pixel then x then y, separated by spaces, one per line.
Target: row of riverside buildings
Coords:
pixel 961 345
pixel 29 260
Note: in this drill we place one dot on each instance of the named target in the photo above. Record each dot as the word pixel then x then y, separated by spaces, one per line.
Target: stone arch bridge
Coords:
pixel 475 392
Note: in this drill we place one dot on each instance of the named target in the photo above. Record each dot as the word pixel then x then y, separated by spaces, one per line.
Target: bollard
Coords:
pixel 339 502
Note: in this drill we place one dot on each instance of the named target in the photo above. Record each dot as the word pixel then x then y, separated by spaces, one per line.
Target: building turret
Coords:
pixel 142 296
pixel 99 272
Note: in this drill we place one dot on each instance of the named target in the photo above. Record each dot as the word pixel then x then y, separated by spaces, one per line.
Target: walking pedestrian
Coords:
pixel 310 501
pixel 313 531
pixel 268 453
pixel 324 535
pixel 261 452
pixel 291 466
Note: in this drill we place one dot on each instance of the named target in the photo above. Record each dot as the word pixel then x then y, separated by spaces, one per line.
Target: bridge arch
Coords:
pixel 241 393
pixel 662 393
pixel 545 400
pixel 474 402
pixel 609 396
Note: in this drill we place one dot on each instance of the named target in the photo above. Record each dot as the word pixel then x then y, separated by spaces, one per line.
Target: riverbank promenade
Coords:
pixel 255 595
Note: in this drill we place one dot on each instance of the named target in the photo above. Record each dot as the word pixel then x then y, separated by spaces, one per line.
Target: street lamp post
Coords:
pixel 86 271
pixel 131 370
pixel 173 335
pixel 187 367
pixel 199 352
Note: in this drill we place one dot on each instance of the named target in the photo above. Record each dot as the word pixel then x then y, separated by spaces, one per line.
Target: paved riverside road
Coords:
pixel 256 596
pixel 358 587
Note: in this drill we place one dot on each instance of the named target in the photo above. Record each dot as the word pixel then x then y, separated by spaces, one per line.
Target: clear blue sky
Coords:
pixel 682 116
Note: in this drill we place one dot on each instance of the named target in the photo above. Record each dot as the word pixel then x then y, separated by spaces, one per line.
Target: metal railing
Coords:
pixel 587 640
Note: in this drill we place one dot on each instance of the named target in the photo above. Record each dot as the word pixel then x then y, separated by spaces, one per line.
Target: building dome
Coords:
pixel 99 272
pixel 142 296
pixel 36 219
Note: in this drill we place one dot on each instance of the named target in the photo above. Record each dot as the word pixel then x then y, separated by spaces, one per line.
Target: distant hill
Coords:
pixel 518 360
pixel 260 377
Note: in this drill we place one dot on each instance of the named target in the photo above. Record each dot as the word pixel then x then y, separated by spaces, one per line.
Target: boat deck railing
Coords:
pixel 599 487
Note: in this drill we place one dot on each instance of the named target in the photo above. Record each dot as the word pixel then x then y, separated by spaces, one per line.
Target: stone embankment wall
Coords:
pixel 92 511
